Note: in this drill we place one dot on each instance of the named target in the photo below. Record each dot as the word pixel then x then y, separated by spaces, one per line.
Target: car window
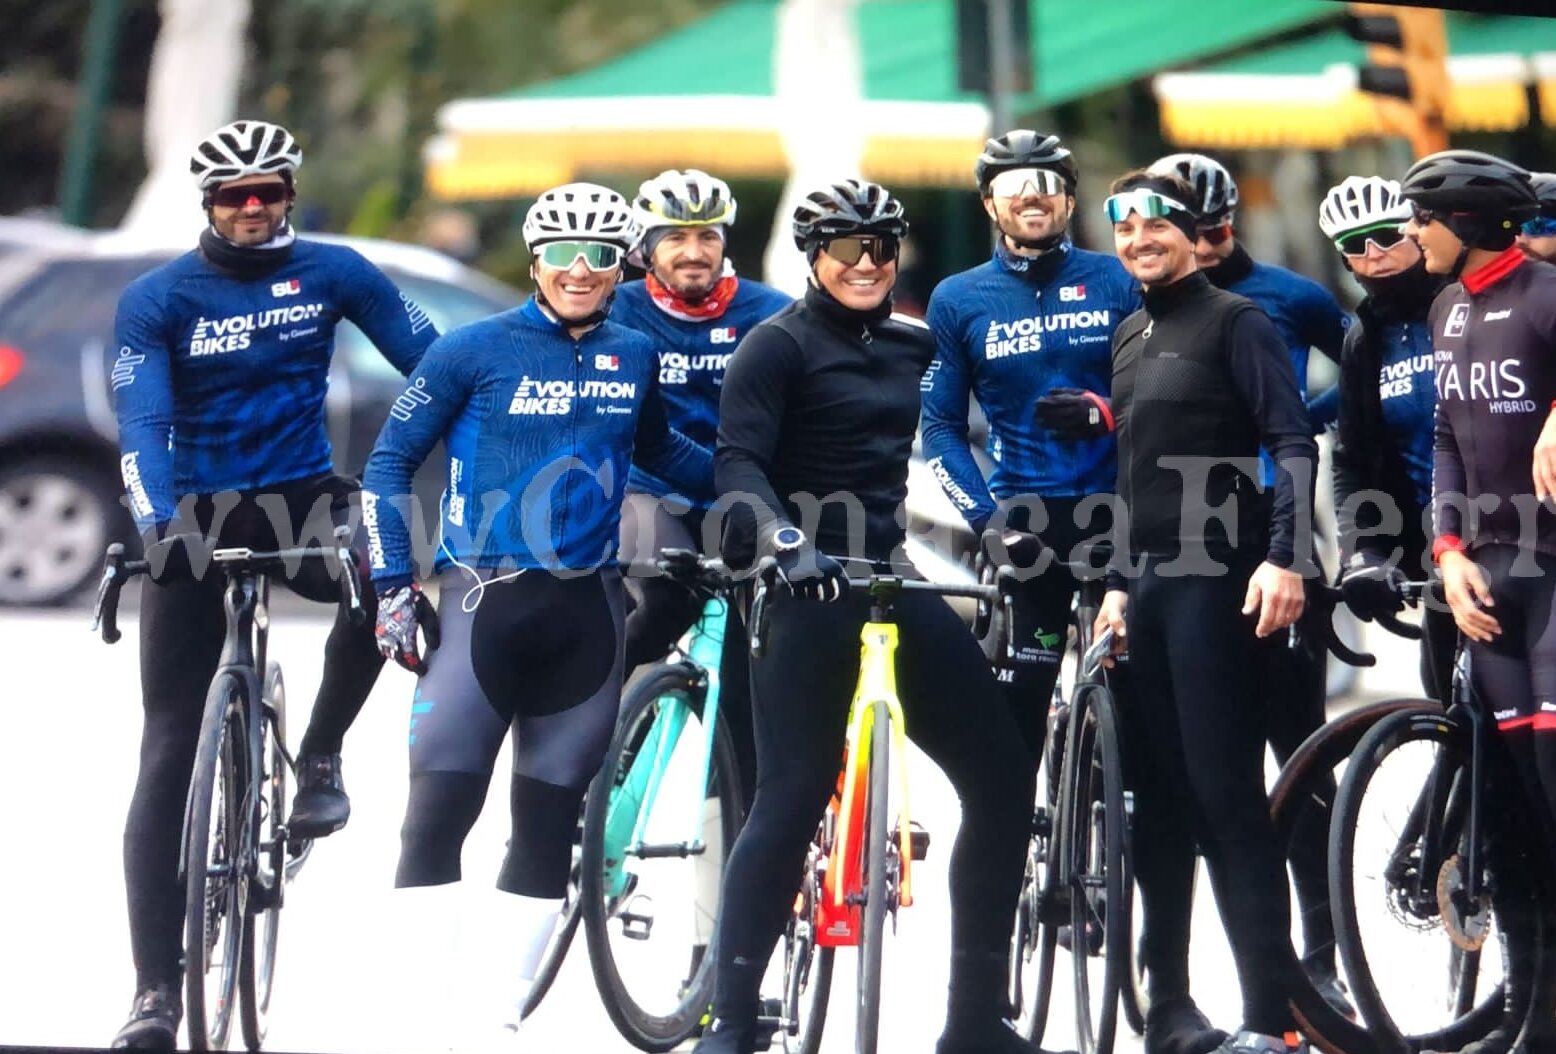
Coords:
pixel 446 304
pixel 84 292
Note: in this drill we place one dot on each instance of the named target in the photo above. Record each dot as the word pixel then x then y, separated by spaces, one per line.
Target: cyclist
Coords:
pixel 1201 377
pixel 1494 344
pixel 220 382
pixel 1028 335
pixel 818 413
pixel 1387 400
pixel 1537 237
pixel 1306 316
pixel 542 408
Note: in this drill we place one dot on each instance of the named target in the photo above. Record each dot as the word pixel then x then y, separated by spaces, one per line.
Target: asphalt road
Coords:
pixel 72 724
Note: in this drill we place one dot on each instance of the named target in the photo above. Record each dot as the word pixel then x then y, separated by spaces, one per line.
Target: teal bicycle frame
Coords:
pixel 632 803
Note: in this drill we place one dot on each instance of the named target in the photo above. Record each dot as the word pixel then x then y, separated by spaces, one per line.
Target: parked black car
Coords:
pixel 60 493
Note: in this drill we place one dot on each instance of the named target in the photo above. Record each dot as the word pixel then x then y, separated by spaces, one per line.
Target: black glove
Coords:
pixel 1372 587
pixel 403 610
pixel 177 556
pixel 1022 550
pixel 1075 413
pixel 812 574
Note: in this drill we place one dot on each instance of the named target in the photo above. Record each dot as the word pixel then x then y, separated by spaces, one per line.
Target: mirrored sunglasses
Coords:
pixel 1385 236
pixel 850 250
pixel 1540 227
pixel 239 197
pixel 597 256
pixel 1147 203
pixel 1015 183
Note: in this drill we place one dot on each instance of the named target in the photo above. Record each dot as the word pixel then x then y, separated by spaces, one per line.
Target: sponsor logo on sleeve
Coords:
pixel 123 373
pixel 418 318
pixel 1454 326
pixel 129 468
pixel 407 401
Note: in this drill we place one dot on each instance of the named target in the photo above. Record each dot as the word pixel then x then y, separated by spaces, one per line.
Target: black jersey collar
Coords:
pixel 246 262
pixel 1403 297
pixel 1233 269
pixel 1038 270
pixel 1164 299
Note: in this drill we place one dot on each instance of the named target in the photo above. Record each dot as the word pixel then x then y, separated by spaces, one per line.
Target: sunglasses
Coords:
pixel 239 197
pixel 1013 183
pixel 597 256
pixel 1421 217
pixel 1540 227
pixel 1215 234
pixel 850 250
pixel 1147 203
pixel 1384 235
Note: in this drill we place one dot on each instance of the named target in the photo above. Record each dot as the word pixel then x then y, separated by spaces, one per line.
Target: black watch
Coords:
pixel 787 539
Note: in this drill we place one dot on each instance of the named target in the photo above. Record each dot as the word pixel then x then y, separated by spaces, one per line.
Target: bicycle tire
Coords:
pixel 1042 899
pixel 641 1026
pixel 876 867
pixel 1132 996
pixel 262 922
pixel 1098 784
pixel 1307 781
pixel 213 841
pixel 807 967
pixel 1387 736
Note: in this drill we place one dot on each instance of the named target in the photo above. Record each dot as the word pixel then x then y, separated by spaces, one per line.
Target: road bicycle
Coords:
pixel 236 856
pixel 1078 885
pixel 858 870
pixel 659 821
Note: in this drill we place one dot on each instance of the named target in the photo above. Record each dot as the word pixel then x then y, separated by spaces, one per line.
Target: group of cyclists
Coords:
pixel 1147 418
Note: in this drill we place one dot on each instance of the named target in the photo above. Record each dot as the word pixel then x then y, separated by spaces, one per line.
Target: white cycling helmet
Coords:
pixel 1361 201
pixel 684 199
pixel 583 212
pixel 244 148
pixel 1212 183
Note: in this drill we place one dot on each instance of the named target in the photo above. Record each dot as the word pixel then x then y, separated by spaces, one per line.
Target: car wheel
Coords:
pixel 57 515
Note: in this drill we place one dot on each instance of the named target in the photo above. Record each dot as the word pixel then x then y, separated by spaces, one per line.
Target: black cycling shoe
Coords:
pixel 153 1023
pixel 322 807
pixel 723 1036
pixel 1176 1026
pixel 993 1038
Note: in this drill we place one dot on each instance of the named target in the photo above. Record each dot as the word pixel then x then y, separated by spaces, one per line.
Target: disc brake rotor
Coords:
pixel 1468 923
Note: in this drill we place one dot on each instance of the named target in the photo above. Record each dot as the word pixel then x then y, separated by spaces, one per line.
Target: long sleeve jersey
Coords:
pixel 219 381
pixel 1007 332
pixel 1494 342
pixel 541 429
pixel 693 355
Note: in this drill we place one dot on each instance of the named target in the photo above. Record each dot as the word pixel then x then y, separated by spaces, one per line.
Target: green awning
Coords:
pixel 705 94
pixel 1304 93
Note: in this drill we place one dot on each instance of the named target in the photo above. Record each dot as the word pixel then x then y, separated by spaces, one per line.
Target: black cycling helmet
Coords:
pixel 1470 181
pixel 1545 190
pixel 1024 148
pixel 852 206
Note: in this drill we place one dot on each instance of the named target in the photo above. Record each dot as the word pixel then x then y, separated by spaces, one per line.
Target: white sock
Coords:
pixel 523 926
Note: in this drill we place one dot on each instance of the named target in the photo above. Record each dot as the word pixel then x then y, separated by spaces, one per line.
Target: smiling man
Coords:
pixel 1028 334
pixel 1200 380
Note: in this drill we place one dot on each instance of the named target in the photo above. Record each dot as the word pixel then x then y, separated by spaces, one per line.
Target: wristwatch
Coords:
pixel 787 539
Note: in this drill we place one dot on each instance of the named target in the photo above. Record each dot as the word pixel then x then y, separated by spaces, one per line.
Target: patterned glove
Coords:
pixel 401 612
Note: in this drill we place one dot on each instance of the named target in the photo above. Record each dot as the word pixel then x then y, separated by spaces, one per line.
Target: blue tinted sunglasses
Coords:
pixel 1540 227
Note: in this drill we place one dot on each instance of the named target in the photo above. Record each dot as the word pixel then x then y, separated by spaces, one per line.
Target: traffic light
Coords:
pixel 1406 71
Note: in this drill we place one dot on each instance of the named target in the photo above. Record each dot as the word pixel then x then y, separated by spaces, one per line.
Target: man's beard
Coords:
pixel 1042 242
pixel 691 292
pixel 233 235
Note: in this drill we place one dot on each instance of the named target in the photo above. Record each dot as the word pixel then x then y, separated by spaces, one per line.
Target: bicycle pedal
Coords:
pixel 636 925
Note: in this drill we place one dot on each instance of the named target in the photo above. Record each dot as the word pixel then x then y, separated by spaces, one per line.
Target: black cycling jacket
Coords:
pixel 816 424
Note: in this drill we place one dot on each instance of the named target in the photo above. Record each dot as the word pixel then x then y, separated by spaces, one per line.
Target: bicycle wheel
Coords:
pixel 1042 908
pixel 881 870
pixel 807 968
pixel 625 890
pixel 1100 886
pixel 1307 782
pixel 561 938
pixel 262 923
pixel 1398 850
pixel 1132 994
pixel 215 843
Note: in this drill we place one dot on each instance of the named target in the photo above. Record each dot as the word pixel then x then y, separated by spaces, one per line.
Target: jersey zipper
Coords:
pixel 567 487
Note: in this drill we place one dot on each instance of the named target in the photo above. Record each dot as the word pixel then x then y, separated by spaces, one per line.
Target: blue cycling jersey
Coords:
pixel 693 354
pixel 219 382
pixel 1304 312
pixel 1008 331
pixel 540 430
pixel 1406 379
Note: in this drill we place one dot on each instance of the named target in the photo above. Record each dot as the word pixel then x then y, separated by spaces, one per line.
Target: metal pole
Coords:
pixel 97 59
pixel 1001 65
